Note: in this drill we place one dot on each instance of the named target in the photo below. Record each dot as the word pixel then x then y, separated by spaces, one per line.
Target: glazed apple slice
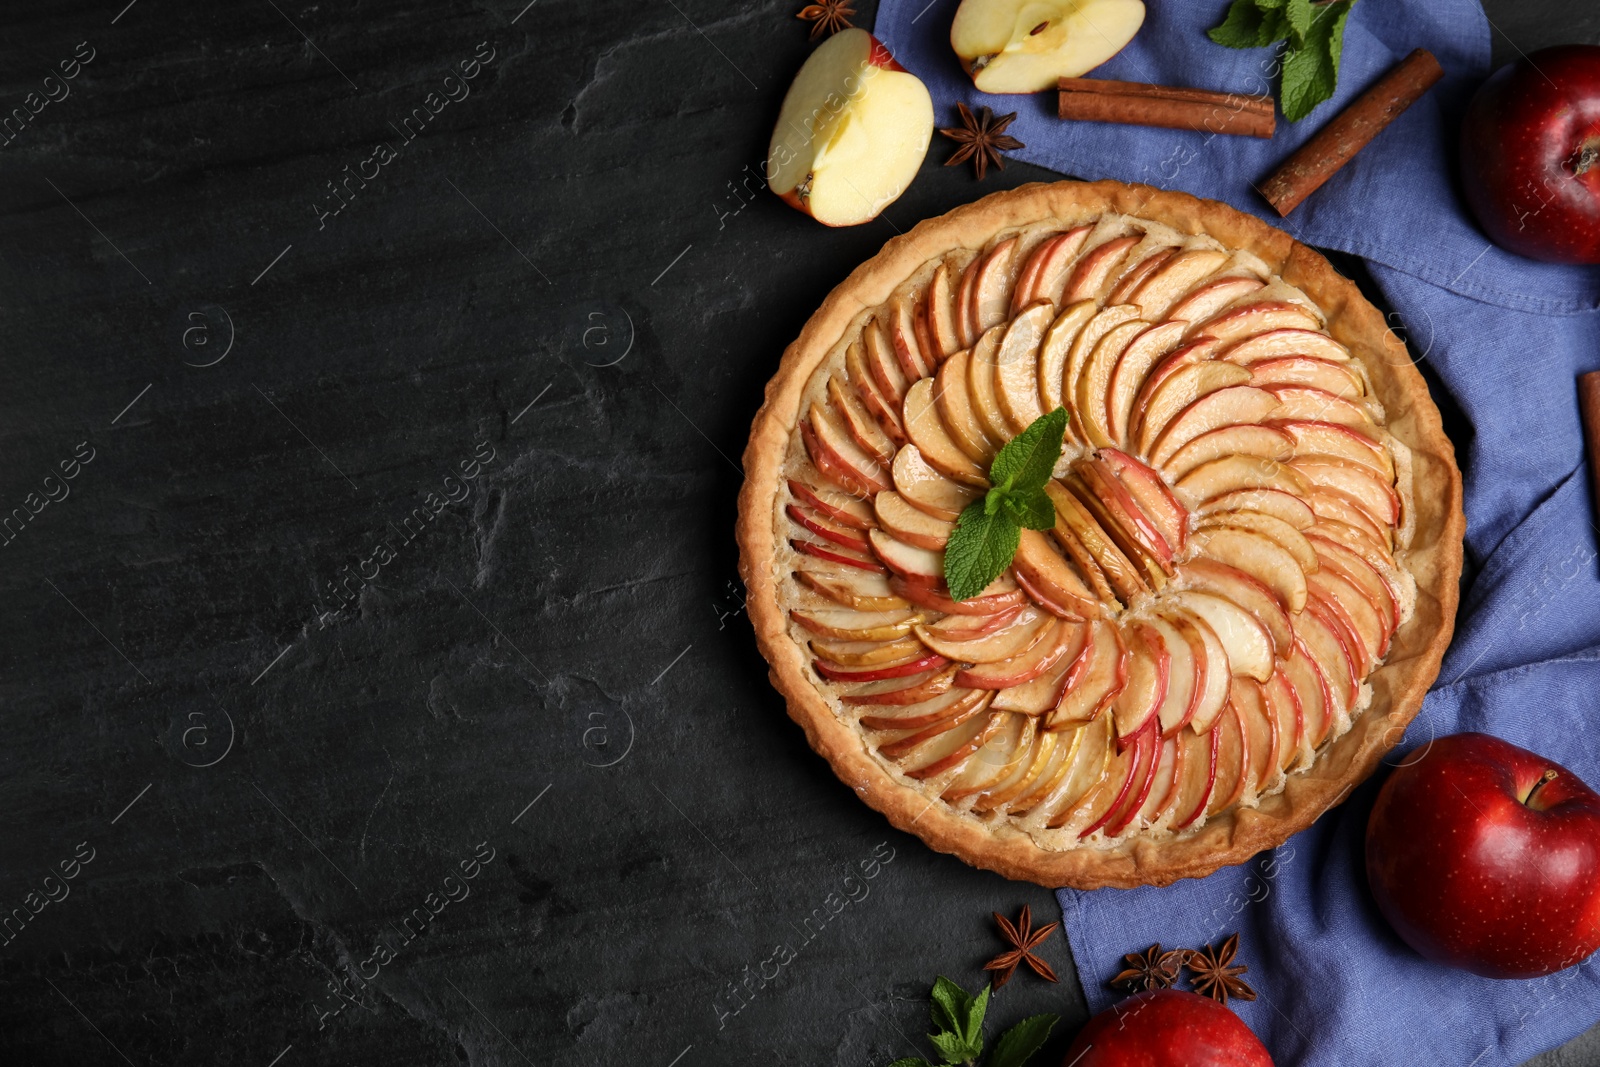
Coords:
pixel 1165 287
pixel 1054 352
pixel 1045 275
pixel 953 704
pixel 913 749
pixel 909 524
pixel 1261 733
pixel 941 306
pixel 902 329
pixel 1375 496
pixel 1041 694
pixel 1152 496
pixel 1237 587
pixel 1177 392
pixel 1089 768
pixel 1233 473
pixel 1336 511
pixel 859 425
pixel 1211 665
pixel 872 674
pixel 957 410
pixel 1316 696
pixel 1084 345
pixel 1096 681
pixel 1301 402
pixel 1274 529
pixel 1140 264
pixel 882 364
pixel 1343 442
pixel 926 489
pixel 1029 770
pixel 1160 802
pixel 983 368
pixel 1250 320
pixel 949 751
pixel 925 426
pixel 886 415
pixel 1374 584
pixel 1289 341
pixel 1094 381
pixel 1184 675
pixel 1016 367
pixel 1267 442
pixel 1019 635
pixel 937 598
pixel 1055 771
pixel 1233 761
pixel 1076 527
pixel 1213 297
pixel 997 761
pixel 1191 351
pixel 1338 615
pixel 1324 374
pixel 1025 46
pixel 847 625
pixel 908 561
pixel 971 627
pixel 1096 808
pixel 1133 367
pixel 1200 752
pixel 843 454
pixel 1056 641
pixel 843 536
pixel 868 653
pixel 837 555
pixel 857 589
pixel 1244 637
pixel 990 295
pixel 901 692
pixel 1050 579
pixel 1149 676
pixel 1114 510
pixel 1325 646
pixel 1097 267
pixel 1148 748
pixel 1284 704
pixel 852 132
pixel 1233 406
pixel 835 506
pixel 1275 502
pixel 1258 556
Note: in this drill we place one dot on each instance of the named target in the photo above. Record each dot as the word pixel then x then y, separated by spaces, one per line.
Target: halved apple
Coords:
pixel 1026 46
pixel 853 129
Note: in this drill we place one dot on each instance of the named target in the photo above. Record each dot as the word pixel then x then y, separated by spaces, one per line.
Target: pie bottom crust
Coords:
pixel 1398 685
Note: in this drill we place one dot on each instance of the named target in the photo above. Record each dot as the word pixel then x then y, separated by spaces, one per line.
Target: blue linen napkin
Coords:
pixel 1505 338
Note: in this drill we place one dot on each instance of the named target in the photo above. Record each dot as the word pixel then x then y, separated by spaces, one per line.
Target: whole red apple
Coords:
pixel 1167 1028
pixel 1485 856
pixel 1530 155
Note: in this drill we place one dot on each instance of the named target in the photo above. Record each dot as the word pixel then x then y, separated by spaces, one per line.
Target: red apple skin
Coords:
pixel 1472 876
pixel 1530 155
pixel 1167 1028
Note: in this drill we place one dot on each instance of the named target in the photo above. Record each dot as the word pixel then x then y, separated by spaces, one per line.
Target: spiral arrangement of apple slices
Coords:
pixel 1221 578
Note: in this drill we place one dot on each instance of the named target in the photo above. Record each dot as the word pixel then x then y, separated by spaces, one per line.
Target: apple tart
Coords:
pixel 1253 571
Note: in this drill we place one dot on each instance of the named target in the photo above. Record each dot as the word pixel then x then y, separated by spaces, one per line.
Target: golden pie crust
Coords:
pixel 1427 544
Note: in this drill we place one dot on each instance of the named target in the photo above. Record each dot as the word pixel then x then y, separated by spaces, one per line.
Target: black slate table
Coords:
pixel 373 654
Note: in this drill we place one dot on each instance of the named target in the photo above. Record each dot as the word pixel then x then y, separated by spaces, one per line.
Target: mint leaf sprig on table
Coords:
pixel 958 1026
pixel 986 535
pixel 1314 30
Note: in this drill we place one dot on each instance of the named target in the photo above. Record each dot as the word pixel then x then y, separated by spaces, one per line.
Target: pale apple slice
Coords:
pixel 1149 676
pixel 858 424
pixel 882 363
pixel 1258 556
pixel 1096 680
pixel 856 589
pixel 941 307
pixel 910 524
pixel 1083 346
pixel 1042 693
pixel 1175 394
pixel 836 554
pixel 1033 767
pixel 944 707
pixel 1286 341
pixel 1022 633
pixel 1284 703
pixel 833 468
pixel 1026 46
pixel 1200 752
pixel 947 752
pixel 1158 807
pixel 1055 771
pixel 957 728
pixel 852 132
pixel 1233 761
pixel 926 428
pixel 868 653
pixel 1140 264
pixel 901 324
pixel 1152 495
pixel 1238 405
pixel 1017 366
pixel 937 598
pixel 1192 350
pixel 1362 614
pixel 1045 275
pixel 1261 736
pixel 1211 691
pixel 1050 579
pixel 1094 380
pixel 956 408
pixel 1266 442
pixel 885 413
pixel 899 692
pixel 863 467
pixel 1374 583
pixel 1111 795
pixel 1097 267
pixel 971 627
pixel 1344 442
pixel 1239 588
pixel 1325 646
pixel 1141 354
pixel 847 625
pixel 1249 320
pixel 1275 502
pixel 1083 562
pixel 1114 509
pixel 1334 614
pixel 1324 374
pixel 1053 354
pixel 843 536
pixel 983 367
pixel 1148 749
pixel 1343 518
pixel 1233 473
pixel 839 507
pixel 1213 297
pixel 998 760
pixel 1281 533
pixel 1165 287
pixel 1360 483
pixel 926 489
pixel 1315 695
pixel 1057 640
pixel 992 285
pixel 1244 637
pixel 1121 574
pixel 1304 403
pixel 1185 673
pixel 908 561
pixel 932 661
pixel 1089 768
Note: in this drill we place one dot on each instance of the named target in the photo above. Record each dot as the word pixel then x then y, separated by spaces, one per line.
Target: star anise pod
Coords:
pixel 1150 969
pixel 982 138
pixel 1022 938
pixel 1213 973
pixel 828 17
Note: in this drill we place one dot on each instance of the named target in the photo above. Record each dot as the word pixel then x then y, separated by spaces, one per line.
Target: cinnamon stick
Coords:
pixel 1351 130
pixel 1170 106
pixel 1589 405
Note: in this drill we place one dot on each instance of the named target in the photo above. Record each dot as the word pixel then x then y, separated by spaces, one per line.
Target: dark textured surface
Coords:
pixel 559 272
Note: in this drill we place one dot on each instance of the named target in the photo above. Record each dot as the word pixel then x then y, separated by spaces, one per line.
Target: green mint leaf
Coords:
pixel 980 1008
pixel 1025 463
pixel 1311 72
pixel 1018 1044
pixel 911 1061
pixel 1033 511
pixel 953 1048
pixel 1252 24
pixel 979 549
pixel 950 1003
pixel 1298 15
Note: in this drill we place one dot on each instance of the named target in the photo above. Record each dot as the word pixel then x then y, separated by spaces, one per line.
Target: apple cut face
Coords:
pixel 852 132
pixel 1025 46
pixel 1228 565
